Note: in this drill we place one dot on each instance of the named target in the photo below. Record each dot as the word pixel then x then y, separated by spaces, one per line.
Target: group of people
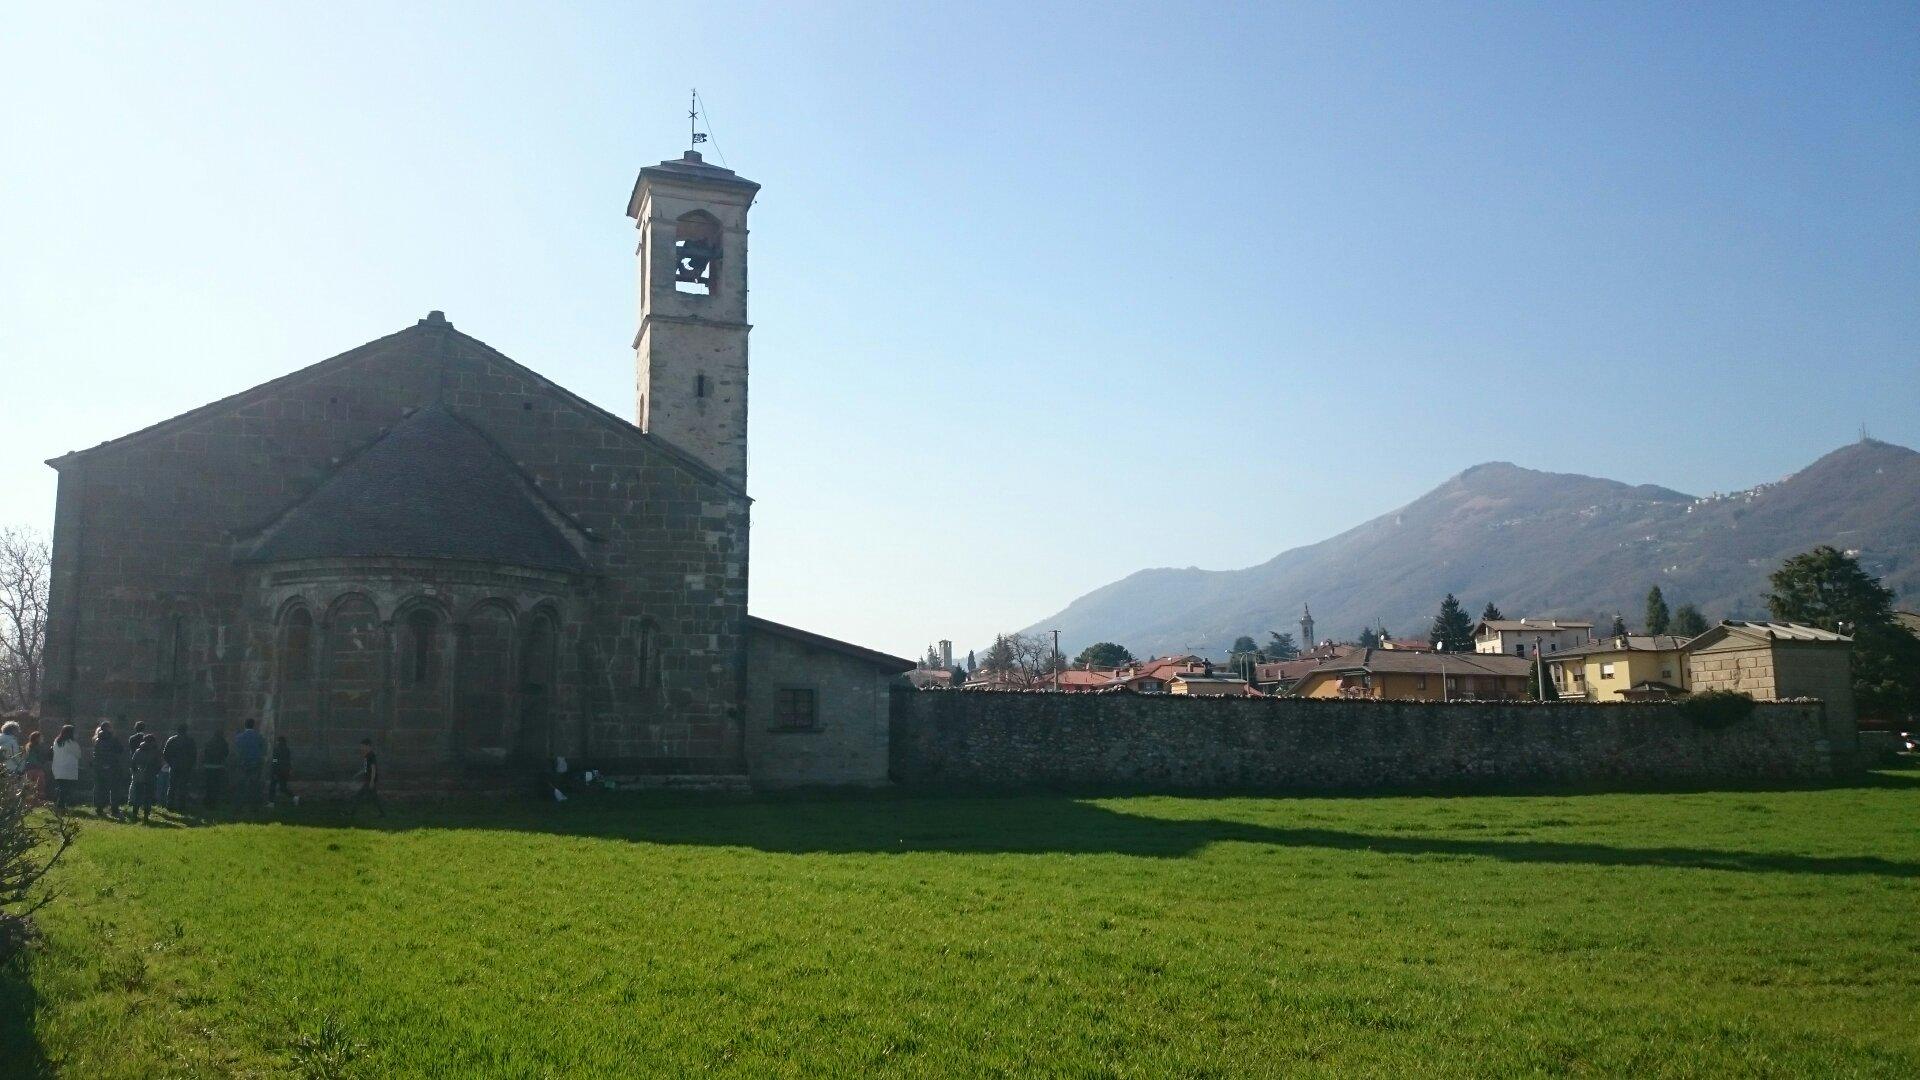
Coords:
pixel 145 770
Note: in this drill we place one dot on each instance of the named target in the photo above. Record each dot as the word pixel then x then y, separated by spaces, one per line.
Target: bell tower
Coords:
pixel 691 350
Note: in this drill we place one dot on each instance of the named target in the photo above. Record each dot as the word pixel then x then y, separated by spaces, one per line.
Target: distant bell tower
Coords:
pixel 691 350
pixel 1306 628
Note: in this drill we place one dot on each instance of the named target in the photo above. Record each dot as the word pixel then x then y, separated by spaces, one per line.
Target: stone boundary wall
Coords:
pixel 1015 739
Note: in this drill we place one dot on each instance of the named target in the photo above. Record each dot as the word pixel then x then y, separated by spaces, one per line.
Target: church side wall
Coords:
pixel 1010 740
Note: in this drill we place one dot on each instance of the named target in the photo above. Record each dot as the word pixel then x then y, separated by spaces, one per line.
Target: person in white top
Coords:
pixel 10 754
pixel 66 767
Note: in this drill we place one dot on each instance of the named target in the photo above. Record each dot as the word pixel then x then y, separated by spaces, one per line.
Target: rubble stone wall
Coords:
pixel 1010 740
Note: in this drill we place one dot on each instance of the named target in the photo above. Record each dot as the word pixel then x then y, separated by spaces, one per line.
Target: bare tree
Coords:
pixel 26 560
pixel 1033 658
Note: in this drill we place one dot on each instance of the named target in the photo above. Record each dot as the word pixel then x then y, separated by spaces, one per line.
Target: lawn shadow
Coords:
pixel 1029 824
pixel 21 1052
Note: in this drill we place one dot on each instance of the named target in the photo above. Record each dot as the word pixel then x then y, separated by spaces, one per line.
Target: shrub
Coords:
pixel 31 841
pixel 1715 709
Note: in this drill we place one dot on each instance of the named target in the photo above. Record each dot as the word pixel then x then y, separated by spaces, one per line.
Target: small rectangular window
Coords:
pixel 699 386
pixel 1606 671
pixel 794 709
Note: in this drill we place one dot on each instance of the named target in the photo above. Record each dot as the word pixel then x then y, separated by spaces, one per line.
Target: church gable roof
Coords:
pixel 433 487
pixel 428 343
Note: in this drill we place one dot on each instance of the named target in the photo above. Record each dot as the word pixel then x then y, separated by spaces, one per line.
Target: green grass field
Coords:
pixel 1757 933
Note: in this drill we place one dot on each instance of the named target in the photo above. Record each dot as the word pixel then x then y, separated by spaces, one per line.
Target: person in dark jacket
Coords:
pixel 39 771
pixel 281 772
pixel 369 780
pixel 250 750
pixel 146 769
pixel 213 769
pixel 109 768
pixel 180 754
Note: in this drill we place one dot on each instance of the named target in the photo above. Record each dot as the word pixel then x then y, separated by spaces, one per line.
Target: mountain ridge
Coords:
pixel 1535 543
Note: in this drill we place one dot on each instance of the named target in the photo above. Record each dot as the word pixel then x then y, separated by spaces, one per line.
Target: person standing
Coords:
pixel 37 757
pixel 66 767
pixel 250 750
pixel 109 760
pixel 146 774
pixel 369 780
pixel 282 770
pixel 10 760
pixel 180 754
pixel 213 769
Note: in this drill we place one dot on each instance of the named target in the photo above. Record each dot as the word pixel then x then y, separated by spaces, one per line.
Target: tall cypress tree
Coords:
pixel 1452 629
pixel 1688 622
pixel 1659 619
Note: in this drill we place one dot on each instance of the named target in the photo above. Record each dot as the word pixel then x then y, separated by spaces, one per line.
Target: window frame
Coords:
pixel 783 713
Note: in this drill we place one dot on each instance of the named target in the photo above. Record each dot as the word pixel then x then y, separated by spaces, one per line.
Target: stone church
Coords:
pixel 422 541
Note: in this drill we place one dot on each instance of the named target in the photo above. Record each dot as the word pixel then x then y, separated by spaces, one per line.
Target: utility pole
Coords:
pixel 1540 669
pixel 1441 648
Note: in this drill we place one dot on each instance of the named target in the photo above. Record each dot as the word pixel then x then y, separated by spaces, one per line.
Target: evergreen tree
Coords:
pixel 932 662
pixel 1368 638
pixel 1619 625
pixel 1543 684
pixel 1104 654
pixel 1452 630
pixel 1281 646
pixel 1828 589
pixel 1492 614
pixel 1688 622
pixel 971 666
pixel 1659 620
pixel 1000 657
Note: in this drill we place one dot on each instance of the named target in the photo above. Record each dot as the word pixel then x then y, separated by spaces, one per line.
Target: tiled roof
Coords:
pixel 433 487
pixel 1430 663
pixel 428 341
pixel 885 661
pixel 1531 624
pixel 1633 643
pixel 1786 631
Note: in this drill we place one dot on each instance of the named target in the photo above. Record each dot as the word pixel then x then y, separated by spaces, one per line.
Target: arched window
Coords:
pixel 294 701
pixel 696 253
pixel 486 677
pixel 646 656
pixel 539 655
pixel 355 642
pixel 296 651
pixel 420 658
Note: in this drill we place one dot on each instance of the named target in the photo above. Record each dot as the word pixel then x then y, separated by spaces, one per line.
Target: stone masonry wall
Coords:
pixel 153 619
pixel 848 744
pixel 974 739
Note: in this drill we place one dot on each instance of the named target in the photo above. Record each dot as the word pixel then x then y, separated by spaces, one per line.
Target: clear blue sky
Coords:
pixel 1042 295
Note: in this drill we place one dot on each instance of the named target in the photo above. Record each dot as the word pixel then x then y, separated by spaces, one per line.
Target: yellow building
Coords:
pixel 1399 675
pixel 1632 667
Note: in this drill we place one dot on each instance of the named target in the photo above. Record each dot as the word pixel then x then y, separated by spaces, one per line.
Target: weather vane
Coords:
pixel 694 135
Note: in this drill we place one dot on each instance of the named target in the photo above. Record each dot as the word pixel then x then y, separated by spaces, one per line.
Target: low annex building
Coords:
pixel 424 542
pixel 1774 662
